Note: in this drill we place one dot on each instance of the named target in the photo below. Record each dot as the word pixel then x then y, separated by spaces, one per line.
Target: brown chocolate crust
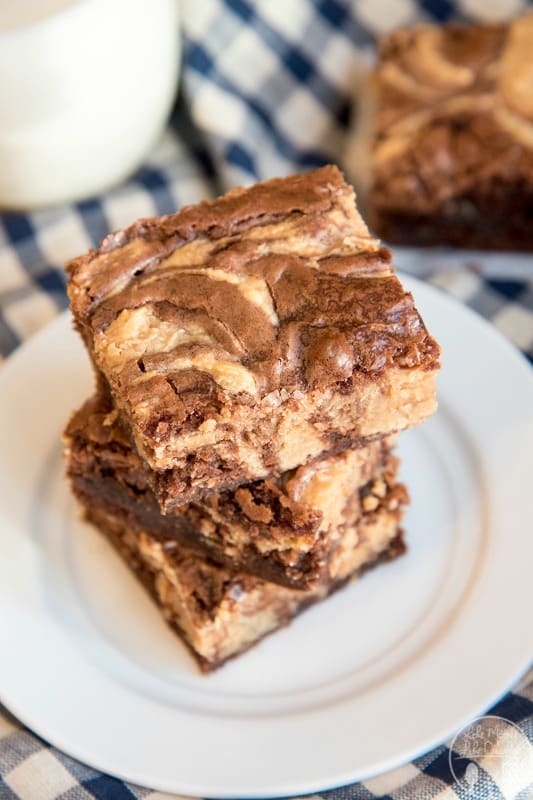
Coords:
pixel 219 327
pixel 452 158
pixel 212 585
pixel 105 471
pixel 230 215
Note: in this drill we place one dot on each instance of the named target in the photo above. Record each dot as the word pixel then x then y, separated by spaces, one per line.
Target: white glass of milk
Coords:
pixel 85 90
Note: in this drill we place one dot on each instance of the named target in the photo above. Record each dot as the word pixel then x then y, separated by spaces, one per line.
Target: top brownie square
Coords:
pixel 452 152
pixel 246 336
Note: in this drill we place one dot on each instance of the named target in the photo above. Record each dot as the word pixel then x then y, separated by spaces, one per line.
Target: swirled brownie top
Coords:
pixel 238 336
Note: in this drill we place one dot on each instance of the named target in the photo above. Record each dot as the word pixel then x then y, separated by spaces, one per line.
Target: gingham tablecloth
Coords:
pixel 267 88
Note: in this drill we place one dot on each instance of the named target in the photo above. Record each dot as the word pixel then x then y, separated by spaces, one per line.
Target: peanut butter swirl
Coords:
pixel 281 284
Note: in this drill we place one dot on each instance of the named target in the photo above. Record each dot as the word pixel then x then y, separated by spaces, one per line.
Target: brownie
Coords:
pixel 246 336
pixel 219 613
pixel 452 151
pixel 282 529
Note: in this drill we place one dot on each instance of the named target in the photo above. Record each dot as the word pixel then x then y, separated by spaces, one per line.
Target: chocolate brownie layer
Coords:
pixel 281 529
pixel 452 158
pixel 220 613
pixel 246 336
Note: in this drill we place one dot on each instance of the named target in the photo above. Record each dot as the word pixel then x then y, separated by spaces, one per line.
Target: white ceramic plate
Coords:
pixel 381 672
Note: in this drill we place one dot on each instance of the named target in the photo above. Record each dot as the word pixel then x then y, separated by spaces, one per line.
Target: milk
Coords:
pixel 85 90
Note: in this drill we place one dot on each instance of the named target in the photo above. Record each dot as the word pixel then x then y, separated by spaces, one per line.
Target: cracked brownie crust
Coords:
pixel 243 337
pixel 282 529
pixel 452 156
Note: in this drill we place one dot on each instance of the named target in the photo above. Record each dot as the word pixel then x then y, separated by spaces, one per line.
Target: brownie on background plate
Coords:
pixel 452 149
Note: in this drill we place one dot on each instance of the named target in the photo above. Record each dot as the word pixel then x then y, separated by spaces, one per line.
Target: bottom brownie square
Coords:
pixel 219 612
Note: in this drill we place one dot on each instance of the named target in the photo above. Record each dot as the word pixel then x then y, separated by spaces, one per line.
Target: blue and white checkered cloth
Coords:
pixel 267 88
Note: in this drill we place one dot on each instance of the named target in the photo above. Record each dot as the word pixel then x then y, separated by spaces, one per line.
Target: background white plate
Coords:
pixel 384 670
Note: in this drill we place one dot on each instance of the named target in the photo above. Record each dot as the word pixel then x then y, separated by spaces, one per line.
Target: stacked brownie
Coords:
pixel 255 358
